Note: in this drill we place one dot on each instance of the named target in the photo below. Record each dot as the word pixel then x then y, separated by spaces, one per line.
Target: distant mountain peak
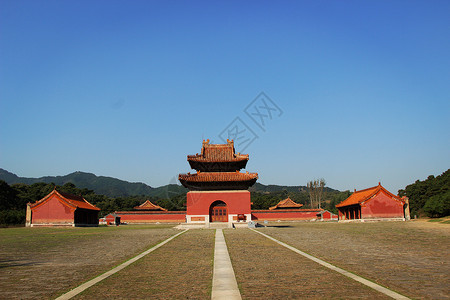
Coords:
pixel 108 186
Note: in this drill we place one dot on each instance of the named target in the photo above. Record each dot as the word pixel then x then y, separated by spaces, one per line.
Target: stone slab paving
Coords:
pixel 96 280
pixel 364 281
pixel 224 281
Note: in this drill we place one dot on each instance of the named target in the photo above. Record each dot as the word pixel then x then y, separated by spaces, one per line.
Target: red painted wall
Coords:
pixel 109 219
pixel 287 215
pixel 329 216
pixel 180 216
pixel 382 206
pixel 52 211
pixel 238 202
pixel 153 217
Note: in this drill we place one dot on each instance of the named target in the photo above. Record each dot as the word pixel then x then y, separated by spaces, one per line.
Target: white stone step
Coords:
pixel 220 225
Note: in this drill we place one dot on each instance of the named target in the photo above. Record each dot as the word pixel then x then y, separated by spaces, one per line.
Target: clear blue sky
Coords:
pixel 129 88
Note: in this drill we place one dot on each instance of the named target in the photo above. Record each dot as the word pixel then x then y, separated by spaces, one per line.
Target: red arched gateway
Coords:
pixel 218 177
pixel 218 212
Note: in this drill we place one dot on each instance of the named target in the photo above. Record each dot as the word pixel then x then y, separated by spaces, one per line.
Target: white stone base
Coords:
pixel 190 226
pixel 240 225
pixel 372 220
pixel 190 217
pixel 53 224
pixel 248 218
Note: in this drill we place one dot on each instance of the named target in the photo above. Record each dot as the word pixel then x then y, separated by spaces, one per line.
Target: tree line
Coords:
pixel 429 197
pixel 328 200
pixel 14 198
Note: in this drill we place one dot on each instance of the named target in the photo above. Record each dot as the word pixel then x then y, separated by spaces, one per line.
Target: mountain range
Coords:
pixel 113 187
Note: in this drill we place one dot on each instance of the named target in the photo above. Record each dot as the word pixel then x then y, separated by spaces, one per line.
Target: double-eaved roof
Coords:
pixel 218 169
pixel 218 158
pixel 219 176
pixel 359 197
pixel 218 180
pixel 72 201
pixel 218 153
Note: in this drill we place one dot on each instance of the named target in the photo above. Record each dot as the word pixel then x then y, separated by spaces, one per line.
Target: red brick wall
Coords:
pixel 152 217
pixel 110 219
pixel 329 216
pixel 257 215
pixel 238 202
pixel 52 211
pixel 286 215
pixel 382 206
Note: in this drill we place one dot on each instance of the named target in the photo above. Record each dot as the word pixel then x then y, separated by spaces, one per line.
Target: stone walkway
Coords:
pixel 224 281
pixel 97 279
pixel 224 285
pixel 355 277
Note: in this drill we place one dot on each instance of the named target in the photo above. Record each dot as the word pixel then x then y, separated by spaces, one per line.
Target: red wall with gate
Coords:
pixel 198 203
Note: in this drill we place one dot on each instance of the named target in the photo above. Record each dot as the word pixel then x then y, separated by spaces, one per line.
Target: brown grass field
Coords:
pixel 41 263
pixel 266 270
pixel 411 258
pixel 182 270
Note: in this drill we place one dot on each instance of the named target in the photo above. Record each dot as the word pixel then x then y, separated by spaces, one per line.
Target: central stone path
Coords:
pixel 224 281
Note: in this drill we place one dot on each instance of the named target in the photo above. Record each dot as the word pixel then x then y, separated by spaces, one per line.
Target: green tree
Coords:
pixel 8 196
pixel 316 192
pixel 336 198
pixel 12 209
pixel 438 206
pixel 420 192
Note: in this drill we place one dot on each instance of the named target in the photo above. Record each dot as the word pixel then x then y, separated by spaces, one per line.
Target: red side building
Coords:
pixel 287 203
pixel 112 219
pixel 218 191
pixel 285 210
pixel 148 212
pixel 147 205
pixel 372 203
pixel 58 208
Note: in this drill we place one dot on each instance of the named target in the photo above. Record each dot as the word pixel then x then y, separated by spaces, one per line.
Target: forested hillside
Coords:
pixel 430 197
pixel 113 187
pixel 271 188
pixel 103 185
pixel 14 198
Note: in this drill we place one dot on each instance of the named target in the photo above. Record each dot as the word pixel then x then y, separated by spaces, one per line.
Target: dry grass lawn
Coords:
pixel 181 269
pixel 41 263
pixel 412 258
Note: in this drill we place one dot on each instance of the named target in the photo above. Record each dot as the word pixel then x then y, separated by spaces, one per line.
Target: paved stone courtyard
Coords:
pixel 394 255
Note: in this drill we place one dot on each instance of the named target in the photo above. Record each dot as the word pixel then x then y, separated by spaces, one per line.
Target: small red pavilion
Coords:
pixel 287 203
pixel 372 203
pixel 218 191
pixel 58 208
pixel 147 205
pixel 285 210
